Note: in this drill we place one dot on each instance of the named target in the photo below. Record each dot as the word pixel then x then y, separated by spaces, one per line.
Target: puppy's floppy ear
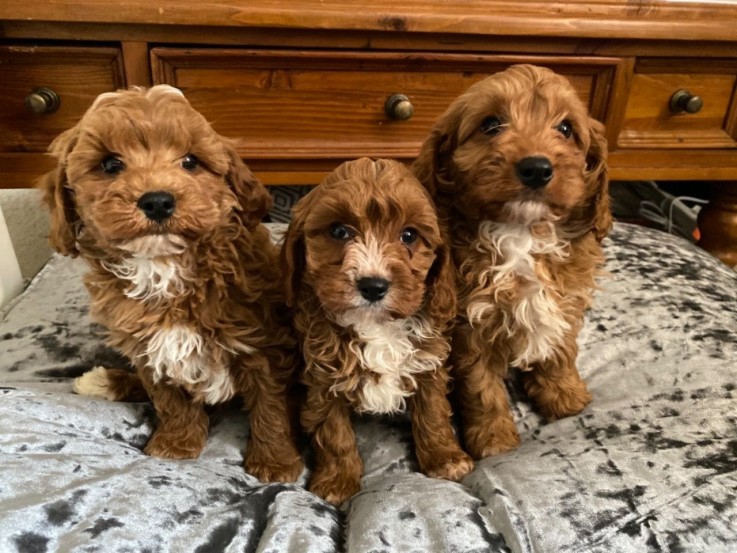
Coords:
pixel 59 197
pixel 597 178
pixel 434 165
pixel 293 249
pixel 441 287
pixel 254 201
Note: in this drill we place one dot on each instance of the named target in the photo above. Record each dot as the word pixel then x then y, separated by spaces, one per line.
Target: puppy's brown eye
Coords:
pixel 565 128
pixel 408 236
pixel 491 126
pixel 339 232
pixel 112 165
pixel 190 162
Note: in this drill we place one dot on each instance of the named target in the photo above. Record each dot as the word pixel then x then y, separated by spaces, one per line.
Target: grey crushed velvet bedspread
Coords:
pixel 648 466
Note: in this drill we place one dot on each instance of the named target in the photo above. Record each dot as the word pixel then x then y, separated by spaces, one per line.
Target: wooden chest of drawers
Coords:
pixel 305 85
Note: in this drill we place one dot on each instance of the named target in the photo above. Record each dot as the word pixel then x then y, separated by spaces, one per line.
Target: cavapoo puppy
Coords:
pixel 182 274
pixel 519 170
pixel 370 281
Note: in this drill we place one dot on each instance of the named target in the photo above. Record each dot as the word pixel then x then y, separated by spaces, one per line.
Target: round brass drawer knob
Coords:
pixel 683 100
pixel 43 100
pixel 398 107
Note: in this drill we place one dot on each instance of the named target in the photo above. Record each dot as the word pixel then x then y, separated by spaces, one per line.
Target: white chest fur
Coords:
pixel 150 279
pixel 181 355
pixel 389 351
pixel 516 290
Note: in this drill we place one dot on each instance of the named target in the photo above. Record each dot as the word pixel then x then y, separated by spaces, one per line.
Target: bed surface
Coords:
pixel 648 466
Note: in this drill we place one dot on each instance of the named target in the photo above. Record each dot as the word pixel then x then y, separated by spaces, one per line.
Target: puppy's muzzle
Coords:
pixel 534 171
pixel 372 289
pixel 157 206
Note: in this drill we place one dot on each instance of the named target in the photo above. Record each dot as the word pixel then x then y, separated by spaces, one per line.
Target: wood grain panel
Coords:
pixel 135 61
pixel 177 35
pixel 600 18
pixel 718 223
pixel 657 164
pixel 311 104
pixel 77 75
pixel 23 170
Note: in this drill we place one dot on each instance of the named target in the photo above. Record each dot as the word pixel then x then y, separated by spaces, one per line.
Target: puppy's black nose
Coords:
pixel 535 172
pixel 157 206
pixel 372 289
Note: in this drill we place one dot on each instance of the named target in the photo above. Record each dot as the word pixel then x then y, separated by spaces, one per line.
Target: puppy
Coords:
pixel 519 169
pixel 370 281
pixel 182 274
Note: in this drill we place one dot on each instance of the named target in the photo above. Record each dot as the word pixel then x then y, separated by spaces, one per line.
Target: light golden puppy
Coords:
pixel 518 168
pixel 182 274
pixel 372 287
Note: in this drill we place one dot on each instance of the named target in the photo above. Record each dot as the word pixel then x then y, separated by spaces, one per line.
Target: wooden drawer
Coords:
pixel 649 121
pixel 76 75
pixel 313 105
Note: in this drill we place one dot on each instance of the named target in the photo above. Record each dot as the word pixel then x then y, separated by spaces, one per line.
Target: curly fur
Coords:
pixel 526 257
pixel 365 357
pixel 192 300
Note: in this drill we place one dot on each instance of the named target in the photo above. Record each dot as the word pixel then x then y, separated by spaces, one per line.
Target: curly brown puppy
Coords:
pixel 519 169
pixel 182 274
pixel 373 291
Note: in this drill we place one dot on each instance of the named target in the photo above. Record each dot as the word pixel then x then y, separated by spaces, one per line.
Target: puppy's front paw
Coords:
pixel 452 466
pixel 493 438
pixel 168 444
pixel 561 401
pixel 273 471
pixel 334 488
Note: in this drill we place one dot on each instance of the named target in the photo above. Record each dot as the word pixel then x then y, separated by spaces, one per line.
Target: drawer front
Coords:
pixel 325 105
pixel 74 75
pixel 651 122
